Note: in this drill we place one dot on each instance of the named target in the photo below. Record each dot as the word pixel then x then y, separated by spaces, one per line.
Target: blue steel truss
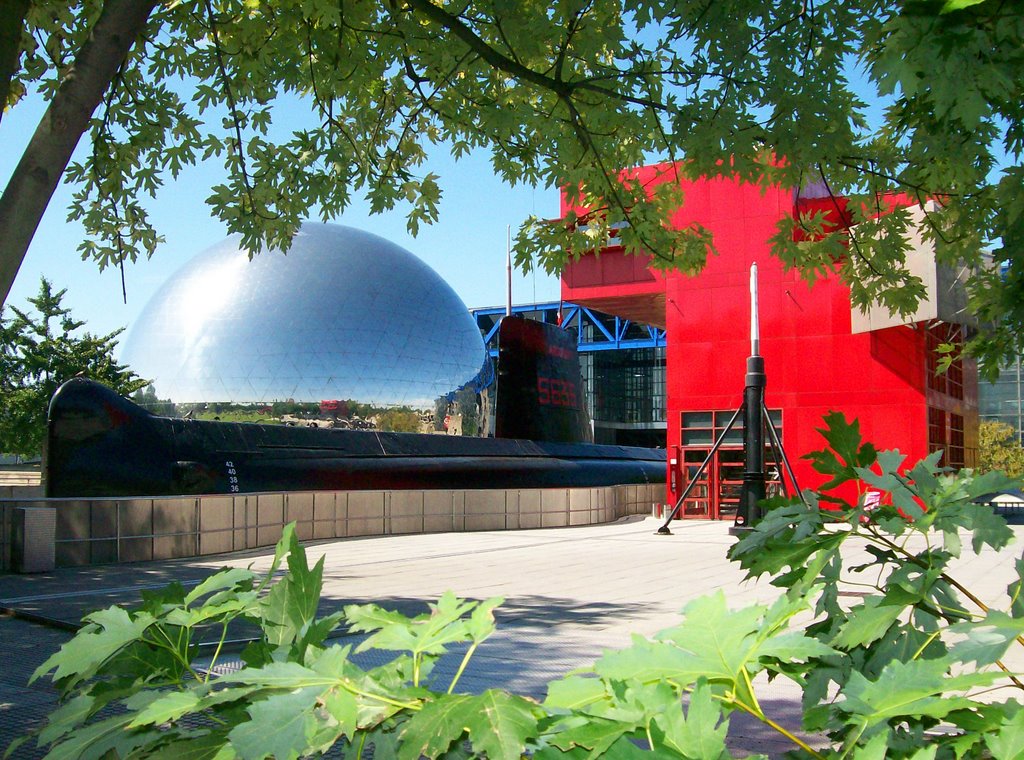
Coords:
pixel 595 330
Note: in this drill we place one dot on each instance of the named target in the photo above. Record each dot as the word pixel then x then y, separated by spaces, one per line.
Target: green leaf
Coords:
pixel 794 646
pixel 481 623
pixel 552 752
pixel 168 707
pixel 426 634
pixel 384 741
pixel 281 550
pixel 595 734
pixel 1008 742
pixel 923 474
pixel 500 724
pixel 279 726
pixel 867 622
pixel 647 661
pixel 228 578
pixel 280 675
pixel 986 640
pixel 900 643
pixel 318 631
pixel 846 451
pixel 432 730
pixel 1016 590
pixel 333 661
pixel 342 706
pixel 210 746
pixel 307 585
pixel 289 609
pixel 442 625
pixel 702 732
pixel 989 529
pixel 284 610
pixel 107 632
pixel 986 483
pixel 957 5
pixel 574 692
pixel 67 718
pixel 636 704
pixel 787 536
pixel 94 740
pixel 223 609
pixel 395 633
pixel 14 746
pixel 908 689
pixel 890 461
pixel 717 642
pixel 875 748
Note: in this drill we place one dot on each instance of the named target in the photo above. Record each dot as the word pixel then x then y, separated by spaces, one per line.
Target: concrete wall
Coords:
pixel 8 491
pixel 97 531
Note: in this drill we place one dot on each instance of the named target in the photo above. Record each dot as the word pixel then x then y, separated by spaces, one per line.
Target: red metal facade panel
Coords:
pixel 612 267
pixel 814 364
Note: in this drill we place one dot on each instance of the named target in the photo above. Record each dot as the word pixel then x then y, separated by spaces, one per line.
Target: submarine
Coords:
pixel 100 444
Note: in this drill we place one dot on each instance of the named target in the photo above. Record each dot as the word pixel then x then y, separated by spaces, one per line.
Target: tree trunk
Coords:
pixel 12 22
pixel 31 186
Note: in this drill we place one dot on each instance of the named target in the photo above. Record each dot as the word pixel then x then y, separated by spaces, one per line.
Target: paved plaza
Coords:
pixel 570 594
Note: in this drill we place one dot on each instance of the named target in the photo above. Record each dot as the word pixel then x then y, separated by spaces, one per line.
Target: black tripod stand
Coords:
pixel 755 420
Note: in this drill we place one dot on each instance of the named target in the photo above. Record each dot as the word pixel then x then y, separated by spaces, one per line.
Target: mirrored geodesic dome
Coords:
pixel 343 315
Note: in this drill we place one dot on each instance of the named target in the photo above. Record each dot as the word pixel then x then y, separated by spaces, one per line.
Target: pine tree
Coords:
pixel 40 349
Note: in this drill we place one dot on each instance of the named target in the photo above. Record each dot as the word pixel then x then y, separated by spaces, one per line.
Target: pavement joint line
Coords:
pixel 93 592
pixel 32 617
pixel 449 555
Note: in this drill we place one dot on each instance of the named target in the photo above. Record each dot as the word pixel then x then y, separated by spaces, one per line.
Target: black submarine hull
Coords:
pixel 100 444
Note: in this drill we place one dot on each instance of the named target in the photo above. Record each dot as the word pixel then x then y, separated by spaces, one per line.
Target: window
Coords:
pixel 1001 400
pixel 950 382
pixel 946 434
pixel 703 428
pixel 955 450
pixel 936 430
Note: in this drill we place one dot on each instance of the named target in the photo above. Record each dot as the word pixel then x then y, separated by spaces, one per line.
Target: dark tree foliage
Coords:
pixel 309 104
pixel 148 400
pixel 41 348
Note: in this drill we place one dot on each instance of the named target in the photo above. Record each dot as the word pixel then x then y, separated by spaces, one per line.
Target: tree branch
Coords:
pixel 43 163
pixel 233 110
pixel 564 89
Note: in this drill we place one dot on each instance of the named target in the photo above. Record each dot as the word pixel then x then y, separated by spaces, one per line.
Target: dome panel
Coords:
pixel 345 314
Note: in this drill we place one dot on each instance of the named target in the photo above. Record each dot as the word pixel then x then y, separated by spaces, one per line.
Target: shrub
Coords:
pixel 897 674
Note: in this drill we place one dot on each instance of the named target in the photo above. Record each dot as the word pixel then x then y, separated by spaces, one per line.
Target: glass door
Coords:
pixel 730 483
pixel 698 501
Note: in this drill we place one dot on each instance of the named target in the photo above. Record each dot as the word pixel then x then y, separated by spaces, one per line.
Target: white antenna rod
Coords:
pixel 755 328
pixel 508 272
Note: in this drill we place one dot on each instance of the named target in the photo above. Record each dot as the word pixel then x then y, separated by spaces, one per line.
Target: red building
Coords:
pixel 820 354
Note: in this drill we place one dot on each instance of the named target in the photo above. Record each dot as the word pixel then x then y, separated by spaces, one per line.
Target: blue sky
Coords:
pixel 466 246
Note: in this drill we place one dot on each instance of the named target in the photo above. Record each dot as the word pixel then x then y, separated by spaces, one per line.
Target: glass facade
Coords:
pixel 1001 400
pixel 622 363
pixel 626 386
pixel 344 315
